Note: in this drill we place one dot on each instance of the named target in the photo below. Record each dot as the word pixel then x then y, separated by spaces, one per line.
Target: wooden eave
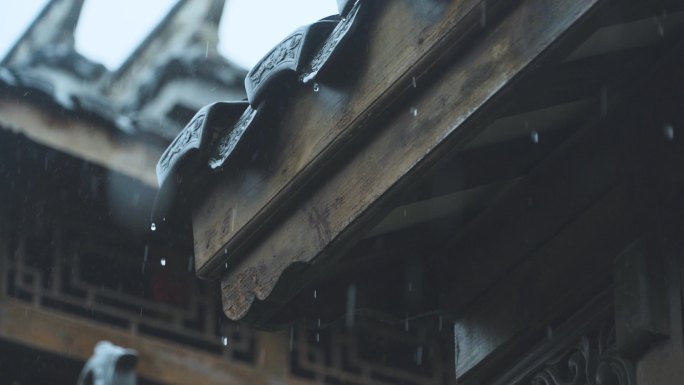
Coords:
pixel 437 86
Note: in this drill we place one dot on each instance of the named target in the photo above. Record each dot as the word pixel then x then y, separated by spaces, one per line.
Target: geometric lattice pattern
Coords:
pixel 84 273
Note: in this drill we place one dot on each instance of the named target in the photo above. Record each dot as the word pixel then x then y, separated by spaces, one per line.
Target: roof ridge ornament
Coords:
pixel 286 59
pixel 186 160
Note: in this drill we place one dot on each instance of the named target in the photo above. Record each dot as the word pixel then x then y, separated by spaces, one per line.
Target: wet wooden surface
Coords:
pixel 355 193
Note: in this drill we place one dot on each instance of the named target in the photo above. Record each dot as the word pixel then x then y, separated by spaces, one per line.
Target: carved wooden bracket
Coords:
pixel 593 360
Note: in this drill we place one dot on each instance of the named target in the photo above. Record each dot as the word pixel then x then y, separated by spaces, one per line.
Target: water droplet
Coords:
pixel 291 338
pixel 669 132
pixel 661 28
pixel 153 226
pixel 351 306
pixel 535 137
pixel 413 82
pixel 604 101
pixel 316 87
pixel 163 261
pixel 414 111
pixel 224 341
pixel 419 356
pixel 483 14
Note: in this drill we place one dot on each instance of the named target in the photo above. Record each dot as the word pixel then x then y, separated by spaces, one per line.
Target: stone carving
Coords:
pixel 286 57
pixel 228 140
pixel 110 365
pixel 592 361
pixel 332 44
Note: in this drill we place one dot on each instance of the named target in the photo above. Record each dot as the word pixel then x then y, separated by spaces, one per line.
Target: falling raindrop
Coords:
pixel 419 356
pixel 535 137
pixel 483 14
pixel 406 323
pixel 147 249
pixel 153 226
pixel 661 29
pixel 319 323
pixel 410 287
pixel 190 264
pixel 163 261
pixel 225 251
pixel 440 324
pixel 315 294
pixel 351 306
pixel 414 111
pixel 549 332
pixel 291 338
pixel 224 341
pixel 413 82
pixel 669 132
pixel 206 51
pixel 318 337
pixel 316 87
pixel 604 101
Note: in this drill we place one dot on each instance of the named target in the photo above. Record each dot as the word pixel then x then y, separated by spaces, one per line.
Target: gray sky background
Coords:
pixel 109 30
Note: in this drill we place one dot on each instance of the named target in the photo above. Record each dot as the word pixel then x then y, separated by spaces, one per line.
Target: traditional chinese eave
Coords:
pixel 434 115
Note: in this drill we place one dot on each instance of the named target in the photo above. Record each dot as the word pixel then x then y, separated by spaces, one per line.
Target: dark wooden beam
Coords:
pixel 84 138
pixel 355 194
pixel 400 43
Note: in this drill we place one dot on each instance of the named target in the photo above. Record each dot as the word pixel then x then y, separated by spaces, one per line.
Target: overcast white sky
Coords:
pixel 109 30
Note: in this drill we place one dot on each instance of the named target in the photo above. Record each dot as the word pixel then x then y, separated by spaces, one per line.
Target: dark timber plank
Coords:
pixel 352 196
pixel 403 39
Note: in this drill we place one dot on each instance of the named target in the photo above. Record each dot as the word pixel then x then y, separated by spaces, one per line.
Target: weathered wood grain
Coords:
pixel 402 40
pixel 435 122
